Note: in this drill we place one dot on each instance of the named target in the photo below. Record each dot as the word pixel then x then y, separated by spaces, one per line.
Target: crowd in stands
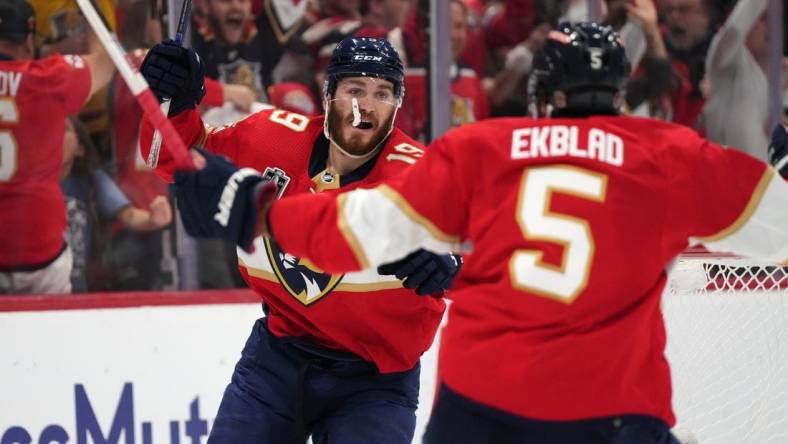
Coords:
pixel 701 63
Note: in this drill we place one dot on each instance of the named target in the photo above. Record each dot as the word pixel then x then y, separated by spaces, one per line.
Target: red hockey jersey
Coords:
pixel 574 224
pixel 35 98
pixel 365 313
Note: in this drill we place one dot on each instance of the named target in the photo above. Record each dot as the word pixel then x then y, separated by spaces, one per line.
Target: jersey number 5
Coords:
pixel 8 151
pixel 538 223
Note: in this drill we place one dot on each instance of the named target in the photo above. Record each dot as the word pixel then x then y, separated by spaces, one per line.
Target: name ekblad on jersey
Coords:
pixel 562 140
pixel 299 277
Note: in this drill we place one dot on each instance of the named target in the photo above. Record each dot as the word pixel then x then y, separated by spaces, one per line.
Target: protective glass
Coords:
pixel 366 94
pixel 367 90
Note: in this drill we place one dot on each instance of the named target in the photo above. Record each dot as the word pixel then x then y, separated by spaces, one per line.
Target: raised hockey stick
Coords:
pixel 183 21
pixel 155 145
pixel 137 85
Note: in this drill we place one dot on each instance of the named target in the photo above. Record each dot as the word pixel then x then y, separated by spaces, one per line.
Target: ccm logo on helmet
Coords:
pixel 368 58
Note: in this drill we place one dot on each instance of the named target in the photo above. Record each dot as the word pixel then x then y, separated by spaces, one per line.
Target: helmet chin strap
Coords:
pixel 356 121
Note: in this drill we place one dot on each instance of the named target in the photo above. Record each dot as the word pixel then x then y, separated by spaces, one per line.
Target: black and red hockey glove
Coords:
pixel 176 73
pixel 426 272
pixel 778 150
pixel 221 200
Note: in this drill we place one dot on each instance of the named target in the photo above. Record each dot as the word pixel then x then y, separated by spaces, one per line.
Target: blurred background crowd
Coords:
pixel 700 63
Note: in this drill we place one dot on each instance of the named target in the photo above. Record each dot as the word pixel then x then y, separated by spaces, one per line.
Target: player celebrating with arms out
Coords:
pixel 36 96
pixel 555 335
pixel 337 355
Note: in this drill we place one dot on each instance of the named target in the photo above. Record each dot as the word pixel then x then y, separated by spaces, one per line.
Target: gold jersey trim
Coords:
pixel 349 287
pixel 413 215
pixel 347 232
pixel 755 200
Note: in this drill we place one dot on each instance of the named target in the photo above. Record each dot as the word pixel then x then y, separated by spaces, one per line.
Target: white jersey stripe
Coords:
pixel 380 226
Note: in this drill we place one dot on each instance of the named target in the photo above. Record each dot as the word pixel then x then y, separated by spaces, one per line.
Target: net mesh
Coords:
pixel 727 324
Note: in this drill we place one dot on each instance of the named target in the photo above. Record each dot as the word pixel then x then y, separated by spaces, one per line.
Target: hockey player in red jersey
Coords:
pixel 337 356
pixel 35 98
pixel 555 334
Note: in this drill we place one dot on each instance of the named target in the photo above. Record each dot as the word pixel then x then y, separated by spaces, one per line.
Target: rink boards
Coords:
pixel 134 374
pixel 148 368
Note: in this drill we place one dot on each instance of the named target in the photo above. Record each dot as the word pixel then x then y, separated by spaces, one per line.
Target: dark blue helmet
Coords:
pixel 586 62
pixel 366 57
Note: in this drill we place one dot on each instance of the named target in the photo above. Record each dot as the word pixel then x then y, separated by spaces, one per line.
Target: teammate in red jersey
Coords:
pixel 555 335
pixel 35 98
pixel 337 356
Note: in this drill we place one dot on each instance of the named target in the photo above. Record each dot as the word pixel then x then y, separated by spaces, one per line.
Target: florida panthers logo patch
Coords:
pixel 300 277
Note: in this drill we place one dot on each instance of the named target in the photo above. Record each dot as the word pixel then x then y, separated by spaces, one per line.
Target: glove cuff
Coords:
pixel 244 216
pixel 264 195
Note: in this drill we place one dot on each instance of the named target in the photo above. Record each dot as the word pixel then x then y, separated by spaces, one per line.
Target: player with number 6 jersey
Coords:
pixel 367 327
pixel 555 334
pixel 36 96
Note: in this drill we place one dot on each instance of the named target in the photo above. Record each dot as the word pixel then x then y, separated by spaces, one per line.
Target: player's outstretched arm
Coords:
pixel 368 227
pixel 338 233
pixel 730 201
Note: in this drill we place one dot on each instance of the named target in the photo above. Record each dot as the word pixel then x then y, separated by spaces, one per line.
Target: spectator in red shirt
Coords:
pixel 34 257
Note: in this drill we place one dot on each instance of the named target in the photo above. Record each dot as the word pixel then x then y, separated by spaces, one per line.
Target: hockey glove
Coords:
pixel 778 150
pixel 426 272
pixel 176 73
pixel 222 200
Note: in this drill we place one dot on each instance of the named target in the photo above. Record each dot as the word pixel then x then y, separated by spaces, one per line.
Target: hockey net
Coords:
pixel 727 326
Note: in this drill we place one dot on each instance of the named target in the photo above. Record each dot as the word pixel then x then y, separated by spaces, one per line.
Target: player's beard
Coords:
pixel 355 144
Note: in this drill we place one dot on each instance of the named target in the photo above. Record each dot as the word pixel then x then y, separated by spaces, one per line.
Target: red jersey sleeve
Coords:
pixel 247 142
pixel 726 199
pixel 189 126
pixel 214 94
pixel 367 227
pixel 66 78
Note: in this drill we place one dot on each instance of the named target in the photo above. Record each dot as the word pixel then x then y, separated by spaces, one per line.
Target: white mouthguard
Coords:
pixel 356 113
